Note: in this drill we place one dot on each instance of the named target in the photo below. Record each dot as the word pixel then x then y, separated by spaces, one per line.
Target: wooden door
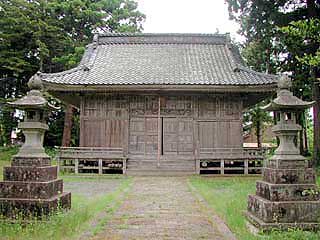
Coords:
pixel 143 135
pixel 177 136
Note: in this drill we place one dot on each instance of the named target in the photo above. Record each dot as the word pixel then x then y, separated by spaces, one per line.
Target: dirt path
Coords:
pixel 163 208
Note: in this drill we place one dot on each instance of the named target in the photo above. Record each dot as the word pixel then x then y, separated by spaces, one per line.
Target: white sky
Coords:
pixel 187 16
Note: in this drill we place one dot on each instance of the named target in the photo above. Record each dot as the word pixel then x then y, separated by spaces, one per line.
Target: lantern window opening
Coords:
pixel 31 115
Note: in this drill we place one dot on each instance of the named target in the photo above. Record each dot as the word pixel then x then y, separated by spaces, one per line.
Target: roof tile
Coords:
pixel 117 59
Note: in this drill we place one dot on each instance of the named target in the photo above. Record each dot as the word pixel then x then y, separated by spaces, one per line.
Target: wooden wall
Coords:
pixel 183 124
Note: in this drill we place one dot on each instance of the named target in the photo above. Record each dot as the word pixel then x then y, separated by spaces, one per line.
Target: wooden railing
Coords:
pixel 231 160
pixel 94 159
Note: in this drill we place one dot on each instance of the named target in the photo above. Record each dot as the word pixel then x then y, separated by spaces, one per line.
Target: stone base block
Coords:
pixel 284 211
pixel 31 161
pixel 31 190
pixel 289 176
pixel 19 208
pixel 34 174
pixel 259 225
pixel 287 192
pixel 287 163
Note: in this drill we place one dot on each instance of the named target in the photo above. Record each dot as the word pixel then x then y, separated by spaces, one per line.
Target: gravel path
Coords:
pixel 163 208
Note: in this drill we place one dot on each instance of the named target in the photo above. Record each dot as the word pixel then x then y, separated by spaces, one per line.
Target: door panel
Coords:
pixel 143 135
pixel 177 136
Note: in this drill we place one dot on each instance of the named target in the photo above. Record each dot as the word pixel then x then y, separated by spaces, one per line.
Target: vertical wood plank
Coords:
pixel 159 131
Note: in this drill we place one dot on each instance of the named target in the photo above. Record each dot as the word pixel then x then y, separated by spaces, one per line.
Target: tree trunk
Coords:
pixel 302 134
pixel 316 125
pixel 66 139
pixel 311 6
pixel 274 123
pixel 258 132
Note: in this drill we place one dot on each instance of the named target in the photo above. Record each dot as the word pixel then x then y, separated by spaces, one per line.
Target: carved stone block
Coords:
pixel 34 174
pixel 28 208
pixel 31 190
pixel 289 176
pixel 287 192
pixel 31 161
pixel 284 211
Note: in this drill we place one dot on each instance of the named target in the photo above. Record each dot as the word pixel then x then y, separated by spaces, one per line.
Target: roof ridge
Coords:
pixel 160 38
pixel 130 34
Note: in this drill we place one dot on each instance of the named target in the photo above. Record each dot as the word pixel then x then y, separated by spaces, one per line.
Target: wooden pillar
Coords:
pixel 100 166
pixel 58 163
pixel 222 167
pixel 246 167
pixel 124 165
pixel 76 166
pixel 197 165
pixel 159 132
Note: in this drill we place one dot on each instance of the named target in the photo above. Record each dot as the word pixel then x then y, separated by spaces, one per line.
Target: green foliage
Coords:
pixel 302 34
pixel 258 120
pixel 281 36
pixel 228 198
pixel 51 36
pixel 6 154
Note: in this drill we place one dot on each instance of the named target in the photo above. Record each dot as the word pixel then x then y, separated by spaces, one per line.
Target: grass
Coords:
pixel 69 225
pixel 5 157
pixel 66 225
pixel 228 198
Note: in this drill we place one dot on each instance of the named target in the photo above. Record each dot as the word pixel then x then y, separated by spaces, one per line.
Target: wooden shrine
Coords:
pixel 161 103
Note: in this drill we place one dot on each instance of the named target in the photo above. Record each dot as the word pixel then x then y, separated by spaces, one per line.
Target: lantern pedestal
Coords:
pixel 30 188
pixel 287 197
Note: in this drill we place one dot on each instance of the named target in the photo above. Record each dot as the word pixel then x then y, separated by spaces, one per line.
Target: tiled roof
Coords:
pixel 171 59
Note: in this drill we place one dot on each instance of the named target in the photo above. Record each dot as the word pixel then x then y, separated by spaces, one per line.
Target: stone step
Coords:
pixel 30 190
pixel 163 165
pixel 167 172
pixel 143 163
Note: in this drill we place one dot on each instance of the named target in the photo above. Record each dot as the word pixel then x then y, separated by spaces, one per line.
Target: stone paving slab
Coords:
pixel 162 208
pixel 92 188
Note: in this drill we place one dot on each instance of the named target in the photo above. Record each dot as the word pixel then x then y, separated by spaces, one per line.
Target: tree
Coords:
pixel 258 119
pixel 51 35
pixel 304 36
pixel 80 19
pixel 267 48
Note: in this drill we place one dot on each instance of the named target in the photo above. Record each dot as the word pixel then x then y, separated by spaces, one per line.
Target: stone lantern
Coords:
pixel 287 196
pixel 30 187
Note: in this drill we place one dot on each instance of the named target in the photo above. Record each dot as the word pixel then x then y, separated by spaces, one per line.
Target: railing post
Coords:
pixel 246 167
pixel 76 166
pixel 124 165
pixel 222 167
pixel 58 163
pixel 100 166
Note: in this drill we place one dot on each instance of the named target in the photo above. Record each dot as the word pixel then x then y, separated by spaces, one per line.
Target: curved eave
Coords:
pixel 154 87
pixel 276 107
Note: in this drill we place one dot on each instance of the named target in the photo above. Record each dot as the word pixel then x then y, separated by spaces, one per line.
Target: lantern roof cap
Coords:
pixel 285 99
pixel 33 100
